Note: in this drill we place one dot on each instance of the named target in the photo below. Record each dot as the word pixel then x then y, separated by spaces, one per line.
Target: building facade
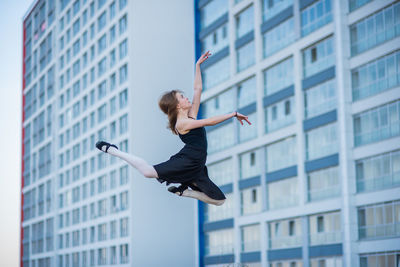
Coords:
pixel 93 70
pixel 314 181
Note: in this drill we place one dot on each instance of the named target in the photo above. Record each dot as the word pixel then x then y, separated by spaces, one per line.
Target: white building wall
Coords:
pixel 162 58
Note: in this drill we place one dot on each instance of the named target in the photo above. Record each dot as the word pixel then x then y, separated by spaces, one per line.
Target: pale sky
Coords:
pixel 11 13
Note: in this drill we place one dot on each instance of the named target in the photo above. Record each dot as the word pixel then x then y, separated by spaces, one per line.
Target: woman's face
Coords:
pixel 184 102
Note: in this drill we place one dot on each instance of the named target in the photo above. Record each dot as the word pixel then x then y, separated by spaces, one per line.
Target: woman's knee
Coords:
pixel 219 202
pixel 150 173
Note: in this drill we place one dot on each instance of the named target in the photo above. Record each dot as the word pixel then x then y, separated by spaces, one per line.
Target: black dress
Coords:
pixel 187 167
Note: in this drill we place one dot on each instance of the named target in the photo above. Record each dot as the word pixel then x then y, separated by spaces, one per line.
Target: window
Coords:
pixel 215 41
pixel 221 138
pixel 102 67
pixel 250 200
pixel 102 90
pixel 379 220
pixel 123 175
pixel 123 124
pixel 76 7
pixel 283 193
pixel 113 105
pixel 270 8
pixel 124 226
pixel 281 154
pixel 101 21
pixel 92 75
pixel 315 16
pixel 123 49
pixel 122 4
pixel 123 99
pixel 278 77
pixel 92 9
pixel 216 73
pixel 318 57
pixel 101 184
pixel 112 10
pixel 123 74
pixel 377 124
pixel 250 164
pixel 244 22
pixel 354 4
pixel 92 53
pixel 378 172
pixel 386 259
pixel 102 44
pixel 250 238
pixel 113 82
pixel 285 233
pixel 123 253
pixel 113 229
pixel 102 113
pixel 221 172
pixel 76 27
pixel 92 31
pixel 323 184
pixel 279 37
pixel 375 29
pixel 247 92
pixel 245 56
pixel 212 11
pixel 377 76
pixel 122 25
pixel 320 99
pixel 279 114
pixel 84 17
pixel 112 34
pixel 321 141
pixel 112 58
pixel 113 255
pixel 123 200
pixel 76 69
pixel 325 228
pixel 219 242
pixel 216 213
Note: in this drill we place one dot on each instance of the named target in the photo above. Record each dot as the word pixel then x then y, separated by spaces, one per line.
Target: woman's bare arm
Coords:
pixel 198 86
pixel 188 124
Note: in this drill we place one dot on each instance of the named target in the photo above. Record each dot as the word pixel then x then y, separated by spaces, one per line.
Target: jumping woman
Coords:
pixel 187 167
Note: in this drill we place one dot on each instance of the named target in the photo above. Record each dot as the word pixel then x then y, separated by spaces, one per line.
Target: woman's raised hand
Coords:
pixel 242 117
pixel 203 57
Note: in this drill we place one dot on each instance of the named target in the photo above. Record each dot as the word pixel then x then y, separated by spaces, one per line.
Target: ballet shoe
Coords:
pixel 179 189
pixel 100 144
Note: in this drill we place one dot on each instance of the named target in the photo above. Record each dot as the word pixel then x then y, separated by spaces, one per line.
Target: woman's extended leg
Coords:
pixel 202 197
pixel 140 164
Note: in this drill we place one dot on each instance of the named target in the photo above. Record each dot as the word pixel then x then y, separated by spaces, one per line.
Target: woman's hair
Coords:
pixel 168 104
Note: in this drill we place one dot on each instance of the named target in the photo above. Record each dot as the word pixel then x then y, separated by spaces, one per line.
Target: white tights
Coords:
pixel 148 171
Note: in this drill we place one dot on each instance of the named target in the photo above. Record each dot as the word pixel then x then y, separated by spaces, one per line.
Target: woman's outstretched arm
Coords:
pixel 198 86
pixel 188 124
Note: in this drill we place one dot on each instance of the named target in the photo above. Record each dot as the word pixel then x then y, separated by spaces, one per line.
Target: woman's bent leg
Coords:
pixel 141 165
pixel 202 197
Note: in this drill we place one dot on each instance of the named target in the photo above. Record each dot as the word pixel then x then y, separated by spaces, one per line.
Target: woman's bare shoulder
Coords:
pixel 179 126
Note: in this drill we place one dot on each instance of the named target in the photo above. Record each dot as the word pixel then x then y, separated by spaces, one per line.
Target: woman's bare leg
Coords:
pixel 201 196
pixel 140 164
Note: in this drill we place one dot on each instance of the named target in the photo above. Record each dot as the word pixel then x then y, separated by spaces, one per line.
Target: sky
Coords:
pixel 11 13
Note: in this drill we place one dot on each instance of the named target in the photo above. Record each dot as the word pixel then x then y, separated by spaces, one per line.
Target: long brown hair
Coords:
pixel 168 104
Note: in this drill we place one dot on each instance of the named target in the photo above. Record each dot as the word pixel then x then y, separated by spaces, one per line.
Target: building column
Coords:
pixel 346 162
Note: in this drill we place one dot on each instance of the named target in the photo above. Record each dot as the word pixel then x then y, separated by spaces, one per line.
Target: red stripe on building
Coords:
pixel 23 147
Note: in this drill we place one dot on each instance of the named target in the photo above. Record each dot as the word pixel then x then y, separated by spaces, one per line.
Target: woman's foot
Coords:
pixel 104 146
pixel 162 181
pixel 177 190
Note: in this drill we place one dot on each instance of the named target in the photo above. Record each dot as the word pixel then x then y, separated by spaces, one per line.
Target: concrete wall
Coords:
pixel 161 58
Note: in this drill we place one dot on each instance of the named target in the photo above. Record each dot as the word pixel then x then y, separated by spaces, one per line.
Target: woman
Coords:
pixel 187 167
